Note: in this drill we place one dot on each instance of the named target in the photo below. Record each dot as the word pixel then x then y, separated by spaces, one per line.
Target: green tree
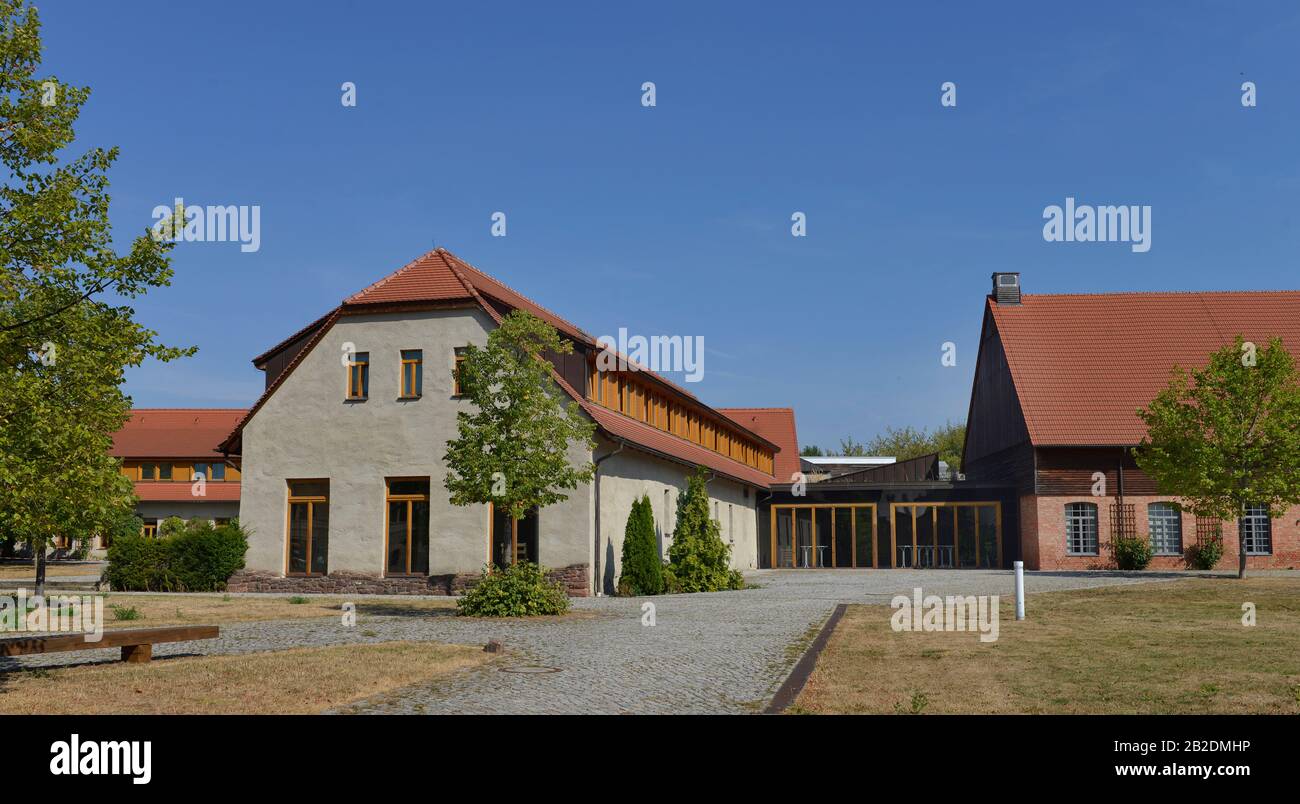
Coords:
pixel 64 346
pixel 909 442
pixel 643 569
pixel 699 559
pixel 811 451
pixel 512 448
pixel 1228 435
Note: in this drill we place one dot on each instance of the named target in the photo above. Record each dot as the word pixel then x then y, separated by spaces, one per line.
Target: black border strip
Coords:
pixel 793 685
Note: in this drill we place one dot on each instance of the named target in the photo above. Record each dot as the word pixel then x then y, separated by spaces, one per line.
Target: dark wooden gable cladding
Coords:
pixel 572 367
pixel 922 468
pixel 997 440
pixel 1069 471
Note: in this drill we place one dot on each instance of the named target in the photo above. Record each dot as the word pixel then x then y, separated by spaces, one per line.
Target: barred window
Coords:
pixel 1256 530
pixel 1165 521
pixel 1081 528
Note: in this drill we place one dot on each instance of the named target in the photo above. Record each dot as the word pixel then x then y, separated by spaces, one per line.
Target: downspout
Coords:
pixel 598 584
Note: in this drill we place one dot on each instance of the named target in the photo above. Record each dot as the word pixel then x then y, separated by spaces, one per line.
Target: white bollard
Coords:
pixel 1020 589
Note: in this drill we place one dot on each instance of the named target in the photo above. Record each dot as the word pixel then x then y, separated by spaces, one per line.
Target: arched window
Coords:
pixel 1081 529
pixel 1165 523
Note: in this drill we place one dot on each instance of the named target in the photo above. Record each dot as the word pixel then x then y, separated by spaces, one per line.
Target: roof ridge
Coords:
pixel 493 279
pixel 186 410
pixel 784 408
pixel 386 279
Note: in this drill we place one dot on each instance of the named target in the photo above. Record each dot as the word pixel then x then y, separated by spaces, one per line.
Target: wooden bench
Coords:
pixel 136 643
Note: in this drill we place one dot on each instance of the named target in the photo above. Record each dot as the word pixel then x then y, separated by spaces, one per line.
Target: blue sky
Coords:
pixel 676 219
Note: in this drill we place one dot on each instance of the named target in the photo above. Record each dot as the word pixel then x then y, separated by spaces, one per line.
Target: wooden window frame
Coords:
pixel 956 533
pixel 410 500
pixel 311 500
pixel 412 379
pixel 358 377
pixel 635 398
pixel 853 526
pixel 458 359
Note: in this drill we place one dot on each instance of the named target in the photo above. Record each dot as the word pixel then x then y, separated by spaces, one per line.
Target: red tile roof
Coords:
pixel 652 439
pixel 175 432
pixel 1083 364
pixel 440 276
pixel 777 426
pixel 427 278
pixel 179 491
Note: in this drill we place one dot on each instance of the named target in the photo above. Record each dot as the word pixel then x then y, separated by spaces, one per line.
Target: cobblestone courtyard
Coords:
pixel 709 653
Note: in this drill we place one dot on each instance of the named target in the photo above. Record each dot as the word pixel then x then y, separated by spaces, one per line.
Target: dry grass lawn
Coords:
pixel 297 681
pixel 18 572
pixel 205 609
pixel 1174 647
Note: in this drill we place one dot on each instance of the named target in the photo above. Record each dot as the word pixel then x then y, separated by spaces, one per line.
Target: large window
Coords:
pixel 412 373
pixel 309 526
pixel 408 527
pixel 1165 522
pixel 1081 529
pixel 822 535
pixel 1256 530
pixel 359 376
pixel 513 540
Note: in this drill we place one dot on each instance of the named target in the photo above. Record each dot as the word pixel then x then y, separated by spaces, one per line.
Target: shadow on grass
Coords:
pixel 11 668
pixel 397 610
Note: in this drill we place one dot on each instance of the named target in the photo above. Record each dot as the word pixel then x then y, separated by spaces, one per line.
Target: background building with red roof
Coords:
pixel 1053 414
pixel 166 450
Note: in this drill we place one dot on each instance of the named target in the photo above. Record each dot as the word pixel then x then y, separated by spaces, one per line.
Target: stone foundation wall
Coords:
pixel 574 579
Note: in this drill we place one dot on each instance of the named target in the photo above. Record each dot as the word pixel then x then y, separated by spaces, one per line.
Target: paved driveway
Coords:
pixel 721 652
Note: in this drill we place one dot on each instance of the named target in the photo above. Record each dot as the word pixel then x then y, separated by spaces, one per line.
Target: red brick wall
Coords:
pixel 1042 534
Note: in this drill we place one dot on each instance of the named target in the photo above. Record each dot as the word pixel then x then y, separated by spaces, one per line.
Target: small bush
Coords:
pixel 1205 555
pixel 194 557
pixel 124 613
pixel 297 600
pixel 642 565
pixel 520 590
pixel 671 586
pixel 1132 552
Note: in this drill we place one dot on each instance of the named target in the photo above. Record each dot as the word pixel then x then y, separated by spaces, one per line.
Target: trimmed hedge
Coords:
pixel 198 557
